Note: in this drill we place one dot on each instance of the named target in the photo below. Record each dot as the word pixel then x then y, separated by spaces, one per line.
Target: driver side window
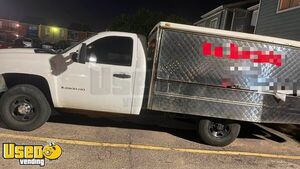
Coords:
pixel 112 50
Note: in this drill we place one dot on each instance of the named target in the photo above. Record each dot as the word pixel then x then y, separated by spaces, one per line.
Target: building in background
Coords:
pixel 279 18
pixel 89 34
pixel 76 36
pixel 234 17
pixel 9 30
pixel 254 11
pixel 29 31
pixel 52 34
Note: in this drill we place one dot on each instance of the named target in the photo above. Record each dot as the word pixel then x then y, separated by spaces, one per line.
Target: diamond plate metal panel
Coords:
pixel 196 90
pixel 187 82
pixel 235 104
pixel 181 59
pixel 224 110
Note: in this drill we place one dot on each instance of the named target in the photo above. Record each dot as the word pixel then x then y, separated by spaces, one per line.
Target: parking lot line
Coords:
pixel 146 147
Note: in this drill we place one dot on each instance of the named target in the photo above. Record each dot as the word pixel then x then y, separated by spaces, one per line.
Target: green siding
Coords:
pixel 283 25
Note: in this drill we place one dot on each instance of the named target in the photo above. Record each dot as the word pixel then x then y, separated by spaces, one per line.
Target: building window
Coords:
pixel 254 18
pixel 33 28
pixel 214 23
pixel 288 4
pixel 12 25
pixel 47 31
pixel 62 33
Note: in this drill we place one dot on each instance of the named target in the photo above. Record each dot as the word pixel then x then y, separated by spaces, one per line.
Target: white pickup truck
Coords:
pixel 210 75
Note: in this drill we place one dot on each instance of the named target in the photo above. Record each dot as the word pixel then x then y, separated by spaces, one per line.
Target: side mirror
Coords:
pixel 75 57
pixel 81 57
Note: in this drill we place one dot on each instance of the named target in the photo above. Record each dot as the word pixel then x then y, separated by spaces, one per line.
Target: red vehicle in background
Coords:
pixel 5 45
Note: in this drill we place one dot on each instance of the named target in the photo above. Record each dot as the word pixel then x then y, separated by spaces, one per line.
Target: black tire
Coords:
pixel 24 108
pixel 212 133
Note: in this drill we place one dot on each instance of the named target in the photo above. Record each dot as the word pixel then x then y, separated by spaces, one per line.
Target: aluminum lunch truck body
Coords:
pixel 222 74
pixel 218 78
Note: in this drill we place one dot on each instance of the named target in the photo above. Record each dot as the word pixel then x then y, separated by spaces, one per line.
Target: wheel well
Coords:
pixel 13 79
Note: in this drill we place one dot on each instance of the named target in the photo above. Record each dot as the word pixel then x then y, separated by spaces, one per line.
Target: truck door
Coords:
pixel 110 73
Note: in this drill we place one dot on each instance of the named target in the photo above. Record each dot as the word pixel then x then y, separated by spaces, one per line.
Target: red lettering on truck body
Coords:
pixel 234 52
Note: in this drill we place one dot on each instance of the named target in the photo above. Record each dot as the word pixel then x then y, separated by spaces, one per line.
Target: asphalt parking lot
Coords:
pixel 125 142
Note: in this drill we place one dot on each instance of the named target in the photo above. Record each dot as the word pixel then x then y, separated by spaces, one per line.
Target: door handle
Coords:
pixel 122 76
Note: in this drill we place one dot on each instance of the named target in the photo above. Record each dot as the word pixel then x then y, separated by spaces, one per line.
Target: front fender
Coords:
pixel 2 84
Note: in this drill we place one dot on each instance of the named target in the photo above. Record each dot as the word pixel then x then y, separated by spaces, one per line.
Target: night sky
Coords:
pixel 98 14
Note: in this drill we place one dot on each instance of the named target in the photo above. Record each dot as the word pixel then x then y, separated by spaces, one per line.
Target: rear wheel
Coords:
pixel 24 108
pixel 218 132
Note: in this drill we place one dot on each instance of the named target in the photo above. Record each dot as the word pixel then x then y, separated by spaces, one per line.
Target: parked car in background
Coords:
pixel 47 45
pixel 38 44
pixel 27 43
pixel 61 45
pixel 5 45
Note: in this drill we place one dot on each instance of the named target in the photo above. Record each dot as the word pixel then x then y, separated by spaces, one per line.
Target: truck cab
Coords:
pixel 107 73
pixel 104 73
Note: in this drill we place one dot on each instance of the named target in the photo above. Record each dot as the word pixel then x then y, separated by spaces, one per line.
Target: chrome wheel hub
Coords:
pixel 219 130
pixel 24 108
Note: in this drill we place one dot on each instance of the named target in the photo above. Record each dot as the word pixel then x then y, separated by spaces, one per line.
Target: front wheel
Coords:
pixel 218 132
pixel 24 108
